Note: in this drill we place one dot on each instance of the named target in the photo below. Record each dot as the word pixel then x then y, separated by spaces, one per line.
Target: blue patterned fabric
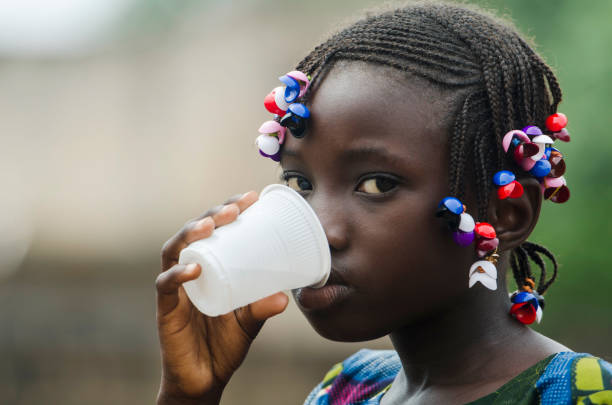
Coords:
pixel 362 378
pixel 576 378
pixel 555 385
pixel 563 378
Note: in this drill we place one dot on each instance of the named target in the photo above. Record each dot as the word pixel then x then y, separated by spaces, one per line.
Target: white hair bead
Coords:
pixel 268 144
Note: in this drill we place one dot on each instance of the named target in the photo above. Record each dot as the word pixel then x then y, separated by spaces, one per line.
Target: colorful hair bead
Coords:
pixel 486 238
pixel 541 141
pixel 527 304
pixel 508 187
pixel 292 89
pixel 276 157
pixel 557 164
pixel 460 222
pixel 524 307
pixel 268 144
pixel 484 246
pixel 450 209
pixel 280 99
pixel 451 204
pixel 541 168
pixel 555 189
pixel 485 230
pixel 465 231
pixel 466 222
pixel 532 130
pixel 295 119
pixel 273 128
pixel 508 139
pixel 281 102
pixel 463 238
pixel 556 122
pixel 532 150
pixel 562 135
pixel 302 79
pixel 270 103
pixel 525 150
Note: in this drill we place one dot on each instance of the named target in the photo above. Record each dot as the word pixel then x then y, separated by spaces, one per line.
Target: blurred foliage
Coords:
pixel 574 37
pixel 147 17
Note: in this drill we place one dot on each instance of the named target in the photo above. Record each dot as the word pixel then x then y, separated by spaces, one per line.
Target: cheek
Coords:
pixel 415 267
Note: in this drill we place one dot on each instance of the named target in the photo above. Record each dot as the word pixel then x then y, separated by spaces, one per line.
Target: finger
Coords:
pixel 168 284
pixel 233 199
pixel 252 317
pixel 246 200
pixel 242 200
pixel 202 226
pixel 233 208
pixel 197 230
pixel 228 214
pixel 190 232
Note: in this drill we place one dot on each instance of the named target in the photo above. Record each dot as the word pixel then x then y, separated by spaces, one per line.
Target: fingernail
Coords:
pixel 191 267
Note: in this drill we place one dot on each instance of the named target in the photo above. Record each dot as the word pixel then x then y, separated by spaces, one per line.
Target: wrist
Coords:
pixel 169 396
pixel 165 398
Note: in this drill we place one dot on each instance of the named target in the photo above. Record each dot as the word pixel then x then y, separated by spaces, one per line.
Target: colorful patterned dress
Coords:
pixel 563 378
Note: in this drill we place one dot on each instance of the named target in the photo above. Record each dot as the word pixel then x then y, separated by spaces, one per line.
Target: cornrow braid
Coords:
pixel 494 78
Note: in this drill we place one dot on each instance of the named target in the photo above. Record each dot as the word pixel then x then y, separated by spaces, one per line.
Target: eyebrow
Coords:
pixel 375 153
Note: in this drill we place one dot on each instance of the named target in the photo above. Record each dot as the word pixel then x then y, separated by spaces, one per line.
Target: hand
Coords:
pixel 200 353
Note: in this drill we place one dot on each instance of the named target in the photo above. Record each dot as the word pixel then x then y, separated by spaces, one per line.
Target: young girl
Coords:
pixel 411 126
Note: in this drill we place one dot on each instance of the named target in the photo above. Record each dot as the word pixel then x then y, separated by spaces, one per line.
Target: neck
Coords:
pixel 474 337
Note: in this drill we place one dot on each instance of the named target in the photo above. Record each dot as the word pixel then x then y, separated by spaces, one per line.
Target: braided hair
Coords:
pixel 495 79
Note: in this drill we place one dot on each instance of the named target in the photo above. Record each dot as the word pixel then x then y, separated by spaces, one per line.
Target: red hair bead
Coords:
pixel 485 230
pixel 512 190
pixel 524 312
pixel 556 122
pixel 486 245
pixel 270 104
pixel 562 135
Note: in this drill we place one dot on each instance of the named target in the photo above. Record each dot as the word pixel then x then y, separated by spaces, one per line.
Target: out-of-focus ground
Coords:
pixel 107 151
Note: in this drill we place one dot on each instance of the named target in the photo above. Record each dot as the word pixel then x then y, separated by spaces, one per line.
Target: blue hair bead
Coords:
pixel 452 204
pixel 292 91
pixel 525 296
pixel 541 168
pixel 503 177
pixel 547 152
pixel 299 109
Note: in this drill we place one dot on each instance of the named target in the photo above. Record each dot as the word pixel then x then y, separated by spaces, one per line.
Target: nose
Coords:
pixel 333 217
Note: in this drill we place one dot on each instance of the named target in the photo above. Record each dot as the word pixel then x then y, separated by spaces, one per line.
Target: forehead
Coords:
pixel 364 106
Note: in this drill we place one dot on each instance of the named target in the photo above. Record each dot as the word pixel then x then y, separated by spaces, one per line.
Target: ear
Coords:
pixel 515 218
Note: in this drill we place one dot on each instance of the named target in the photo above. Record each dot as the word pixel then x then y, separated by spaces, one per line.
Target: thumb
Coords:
pixel 252 317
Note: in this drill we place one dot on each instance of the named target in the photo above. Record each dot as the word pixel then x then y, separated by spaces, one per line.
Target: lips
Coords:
pixel 331 294
pixel 335 278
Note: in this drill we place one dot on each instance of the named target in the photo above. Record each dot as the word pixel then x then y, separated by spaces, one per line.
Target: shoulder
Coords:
pixel 359 377
pixel 575 378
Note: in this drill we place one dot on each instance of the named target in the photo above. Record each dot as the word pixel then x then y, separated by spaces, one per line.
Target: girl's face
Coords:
pixel 374 166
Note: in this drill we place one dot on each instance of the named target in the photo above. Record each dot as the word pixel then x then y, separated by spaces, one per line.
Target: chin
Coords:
pixel 340 327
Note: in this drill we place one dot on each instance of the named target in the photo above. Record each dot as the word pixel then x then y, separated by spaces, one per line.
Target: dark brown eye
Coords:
pixel 377 185
pixel 298 183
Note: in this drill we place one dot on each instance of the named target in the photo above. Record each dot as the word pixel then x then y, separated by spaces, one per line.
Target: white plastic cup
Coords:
pixel 276 244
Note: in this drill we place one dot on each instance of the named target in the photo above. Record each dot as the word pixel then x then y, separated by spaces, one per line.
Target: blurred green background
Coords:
pixel 116 118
